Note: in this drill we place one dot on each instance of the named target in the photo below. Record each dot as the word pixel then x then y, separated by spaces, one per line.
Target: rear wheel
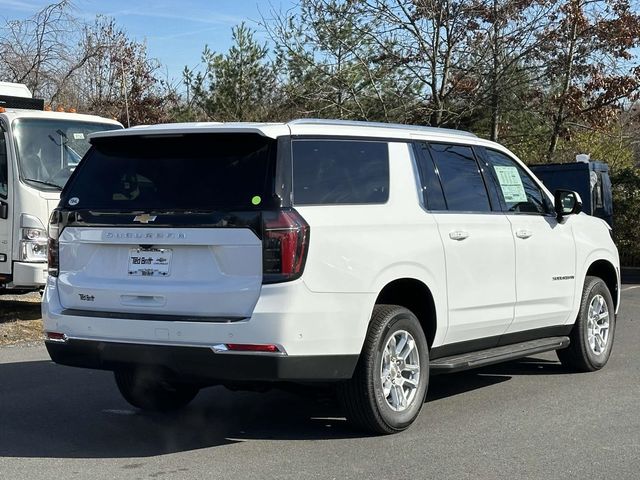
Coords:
pixel 148 389
pixel 592 334
pixel 389 385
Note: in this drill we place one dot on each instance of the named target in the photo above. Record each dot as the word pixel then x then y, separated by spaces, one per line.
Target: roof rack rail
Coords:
pixel 358 123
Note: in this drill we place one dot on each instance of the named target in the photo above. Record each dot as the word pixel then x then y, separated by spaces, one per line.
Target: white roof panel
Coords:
pixel 296 127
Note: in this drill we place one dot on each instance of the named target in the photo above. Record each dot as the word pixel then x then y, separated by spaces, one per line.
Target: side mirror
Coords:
pixel 567 202
pixel 4 210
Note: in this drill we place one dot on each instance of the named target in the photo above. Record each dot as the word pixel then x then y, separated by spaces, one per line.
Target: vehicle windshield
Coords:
pixel 49 150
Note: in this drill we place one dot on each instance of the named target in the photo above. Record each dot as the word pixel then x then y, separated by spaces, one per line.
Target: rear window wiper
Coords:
pixel 49 184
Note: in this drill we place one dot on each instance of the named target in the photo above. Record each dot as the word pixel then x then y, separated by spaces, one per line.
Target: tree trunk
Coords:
pixel 559 117
pixel 495 93
pixel 435 119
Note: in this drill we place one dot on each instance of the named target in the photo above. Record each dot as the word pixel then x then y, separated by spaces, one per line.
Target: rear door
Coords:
pixel 545 248
pixel 167 226
pixel 477 241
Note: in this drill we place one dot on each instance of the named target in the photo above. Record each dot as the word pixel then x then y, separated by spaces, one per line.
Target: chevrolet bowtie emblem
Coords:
pixel 146 218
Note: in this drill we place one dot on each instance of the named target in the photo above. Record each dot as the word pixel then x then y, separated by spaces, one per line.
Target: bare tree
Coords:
pixel 430 39
pixel 591 66
pixel 509 41
pixel 36 52
pixel 117 77
pixel 93 67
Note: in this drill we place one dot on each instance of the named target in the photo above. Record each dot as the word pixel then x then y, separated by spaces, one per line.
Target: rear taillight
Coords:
pixel 285 243
pixel 242 347
pixel 56 336
pixel 53 252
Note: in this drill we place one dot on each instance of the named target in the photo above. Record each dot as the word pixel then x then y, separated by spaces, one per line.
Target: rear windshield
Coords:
pixel 186 172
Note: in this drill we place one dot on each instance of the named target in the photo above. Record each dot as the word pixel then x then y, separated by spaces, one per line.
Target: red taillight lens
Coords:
pixel 285 243
pixel 53 252
pixel 56 336
pixel 243 347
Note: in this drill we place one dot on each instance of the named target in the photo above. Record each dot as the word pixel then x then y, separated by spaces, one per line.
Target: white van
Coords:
pixel 38 152
pixel 364 255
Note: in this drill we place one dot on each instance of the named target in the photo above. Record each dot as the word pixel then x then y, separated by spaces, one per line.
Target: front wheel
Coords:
pixel 390 382
pixel 592 334
pixel 147 389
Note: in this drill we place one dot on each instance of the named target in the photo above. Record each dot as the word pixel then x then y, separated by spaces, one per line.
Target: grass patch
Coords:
pixel 20 319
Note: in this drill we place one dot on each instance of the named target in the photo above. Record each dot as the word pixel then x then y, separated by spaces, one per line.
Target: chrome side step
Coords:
pixel 481 358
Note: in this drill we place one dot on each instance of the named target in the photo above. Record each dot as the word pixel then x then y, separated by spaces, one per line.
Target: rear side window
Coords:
pixel 340 172
pixel 194 171
pixel 430 183
pixel 461 180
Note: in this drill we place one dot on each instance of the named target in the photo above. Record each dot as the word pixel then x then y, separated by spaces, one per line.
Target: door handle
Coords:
pixel 458 235
pixel 524 233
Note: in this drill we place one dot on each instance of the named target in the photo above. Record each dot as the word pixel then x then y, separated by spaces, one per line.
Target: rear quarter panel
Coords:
pixel 361 248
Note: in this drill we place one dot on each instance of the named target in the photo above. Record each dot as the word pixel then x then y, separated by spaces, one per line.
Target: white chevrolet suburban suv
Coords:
pixel 364 255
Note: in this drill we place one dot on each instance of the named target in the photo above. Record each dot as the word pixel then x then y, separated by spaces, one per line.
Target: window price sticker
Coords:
pixel 511 184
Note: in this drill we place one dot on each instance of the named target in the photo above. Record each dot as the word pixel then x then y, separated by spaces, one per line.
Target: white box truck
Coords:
pixel 38 152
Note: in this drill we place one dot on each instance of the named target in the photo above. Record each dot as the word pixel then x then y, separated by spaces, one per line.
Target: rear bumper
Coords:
pixel 302 322
pixel 202 364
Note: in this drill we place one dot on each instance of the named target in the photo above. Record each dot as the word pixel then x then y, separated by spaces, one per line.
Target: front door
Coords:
pixel 545 248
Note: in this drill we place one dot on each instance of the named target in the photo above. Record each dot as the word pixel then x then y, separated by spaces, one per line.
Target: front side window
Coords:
pixel 461 180
pixel 4 170
pixel 50 149
pixel 340 172
pixel 519 192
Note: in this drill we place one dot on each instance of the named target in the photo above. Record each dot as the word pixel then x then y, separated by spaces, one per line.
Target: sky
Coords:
pixel 175 31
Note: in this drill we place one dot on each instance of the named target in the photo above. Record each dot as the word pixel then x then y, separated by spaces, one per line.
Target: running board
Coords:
pixel 481 358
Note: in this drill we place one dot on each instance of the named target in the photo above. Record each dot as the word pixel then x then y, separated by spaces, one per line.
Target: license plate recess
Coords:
pixel 149 262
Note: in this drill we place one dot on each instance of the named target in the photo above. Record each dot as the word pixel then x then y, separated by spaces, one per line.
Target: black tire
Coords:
pixel 580 356
pixel 149 390
pixel 363 397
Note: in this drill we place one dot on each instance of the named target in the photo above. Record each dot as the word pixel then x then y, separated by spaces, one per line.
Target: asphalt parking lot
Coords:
pixel 526 419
